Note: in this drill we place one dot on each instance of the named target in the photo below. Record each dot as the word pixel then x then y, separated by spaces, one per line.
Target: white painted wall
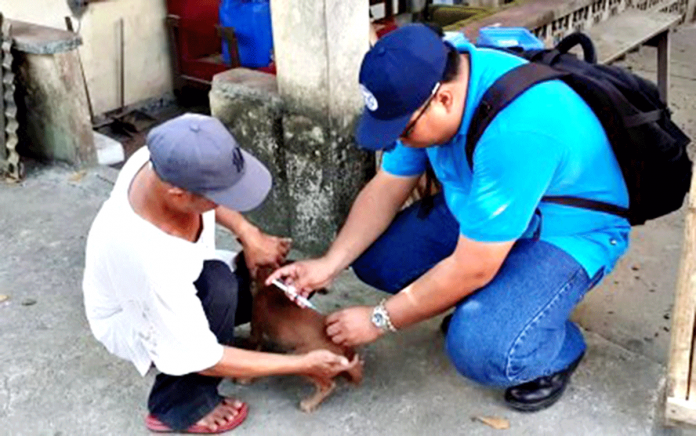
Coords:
pixel 146 48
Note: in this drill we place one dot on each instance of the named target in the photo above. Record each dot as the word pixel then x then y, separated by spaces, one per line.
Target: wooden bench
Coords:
pixel 631 29
pixel 616 30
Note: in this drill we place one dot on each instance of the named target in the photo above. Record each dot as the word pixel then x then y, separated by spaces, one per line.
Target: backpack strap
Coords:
pixel 578 38
pixel 585 203
pixel 646 117
pixel 503 92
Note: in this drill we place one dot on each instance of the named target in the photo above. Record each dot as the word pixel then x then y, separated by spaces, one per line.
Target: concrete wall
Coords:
pixel 147 61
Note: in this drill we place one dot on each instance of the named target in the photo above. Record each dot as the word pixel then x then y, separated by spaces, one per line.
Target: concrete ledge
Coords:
pixel 37 39
pixel 250 83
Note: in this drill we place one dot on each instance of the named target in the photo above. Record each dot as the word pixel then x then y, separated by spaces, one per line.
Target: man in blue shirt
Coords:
pixel 513 266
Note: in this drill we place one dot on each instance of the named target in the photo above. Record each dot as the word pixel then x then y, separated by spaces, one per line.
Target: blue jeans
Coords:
pixel 514 329
pixel 181 401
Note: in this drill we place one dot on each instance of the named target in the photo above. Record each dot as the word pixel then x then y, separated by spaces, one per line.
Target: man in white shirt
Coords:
pixel 155 289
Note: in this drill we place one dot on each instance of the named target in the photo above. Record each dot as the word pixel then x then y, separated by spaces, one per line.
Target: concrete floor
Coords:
pixel 55 379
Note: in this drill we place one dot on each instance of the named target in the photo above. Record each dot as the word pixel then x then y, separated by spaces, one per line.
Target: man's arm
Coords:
pixel 371 213
pixel 234 222
pixel 236 362
pixel 472 266
pixel 260 249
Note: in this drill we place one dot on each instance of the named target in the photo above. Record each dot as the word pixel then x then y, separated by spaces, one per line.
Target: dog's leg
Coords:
pixel 255 344
pixel 255 335
pixel 355 374
pixel 245 381
pixel 324 389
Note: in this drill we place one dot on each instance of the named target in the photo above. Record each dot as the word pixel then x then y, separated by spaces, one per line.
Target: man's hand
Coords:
pixel 352 326
pixel 261 249
pixel 325 364
pixel 305 275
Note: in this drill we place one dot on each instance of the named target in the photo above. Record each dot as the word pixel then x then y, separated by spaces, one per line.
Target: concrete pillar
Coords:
pixel 300 123
pixel 318 47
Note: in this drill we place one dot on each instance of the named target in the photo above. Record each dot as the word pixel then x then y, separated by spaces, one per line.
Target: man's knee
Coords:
pixel 475 353
pixel 500 358
pixel 483 355
pixel 218 290
pixel 373 273
pixel 215 276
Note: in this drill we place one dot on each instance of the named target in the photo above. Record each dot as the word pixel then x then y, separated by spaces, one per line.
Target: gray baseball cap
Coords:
pixel 197 153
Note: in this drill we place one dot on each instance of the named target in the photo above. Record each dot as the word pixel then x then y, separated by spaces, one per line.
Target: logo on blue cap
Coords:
pixel 370 100
pixel 238 159
pixel 396 77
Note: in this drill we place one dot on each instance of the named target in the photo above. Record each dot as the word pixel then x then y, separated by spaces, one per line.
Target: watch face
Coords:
pixel 378 319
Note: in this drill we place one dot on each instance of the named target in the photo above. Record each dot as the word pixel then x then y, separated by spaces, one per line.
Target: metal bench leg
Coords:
pixel 663 50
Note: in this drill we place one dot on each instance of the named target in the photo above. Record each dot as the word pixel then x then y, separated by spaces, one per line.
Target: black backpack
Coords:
pixel 650 148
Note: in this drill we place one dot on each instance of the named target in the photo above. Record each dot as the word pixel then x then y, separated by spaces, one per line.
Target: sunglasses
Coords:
pixel 410 126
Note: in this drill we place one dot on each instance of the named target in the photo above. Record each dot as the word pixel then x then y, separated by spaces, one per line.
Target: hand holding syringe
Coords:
pixel 292 293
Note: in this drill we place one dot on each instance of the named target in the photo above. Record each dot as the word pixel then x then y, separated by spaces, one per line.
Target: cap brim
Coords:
pixel 375 134
pixel 249 192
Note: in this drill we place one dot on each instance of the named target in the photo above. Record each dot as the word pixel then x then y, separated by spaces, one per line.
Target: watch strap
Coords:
pixel 381 307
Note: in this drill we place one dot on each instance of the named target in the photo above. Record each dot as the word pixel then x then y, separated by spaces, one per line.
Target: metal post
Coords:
pixel 3 150
pixel 14 167
pixel 663 60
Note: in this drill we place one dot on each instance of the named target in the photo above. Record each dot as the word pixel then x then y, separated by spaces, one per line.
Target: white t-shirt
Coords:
pixel 138 286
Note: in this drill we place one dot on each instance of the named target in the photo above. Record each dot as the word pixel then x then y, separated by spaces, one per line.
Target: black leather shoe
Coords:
pixel 444 325
pixel 540 393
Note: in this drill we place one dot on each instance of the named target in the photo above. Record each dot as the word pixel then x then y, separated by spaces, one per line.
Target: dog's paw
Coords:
pixel 324 388
pixel 309 405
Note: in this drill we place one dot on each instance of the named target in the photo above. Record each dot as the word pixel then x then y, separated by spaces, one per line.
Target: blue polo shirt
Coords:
pixel 547 142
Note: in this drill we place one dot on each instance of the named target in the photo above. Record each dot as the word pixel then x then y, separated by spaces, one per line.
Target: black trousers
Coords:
pixel 181 401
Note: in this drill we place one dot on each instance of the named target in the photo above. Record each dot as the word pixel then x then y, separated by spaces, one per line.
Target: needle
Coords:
pixel 292 293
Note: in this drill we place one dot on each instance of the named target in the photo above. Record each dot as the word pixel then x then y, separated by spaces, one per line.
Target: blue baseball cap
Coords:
pixel 397 76
pixel 197 153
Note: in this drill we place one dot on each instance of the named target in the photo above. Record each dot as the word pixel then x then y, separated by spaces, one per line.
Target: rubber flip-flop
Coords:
pixel 155 425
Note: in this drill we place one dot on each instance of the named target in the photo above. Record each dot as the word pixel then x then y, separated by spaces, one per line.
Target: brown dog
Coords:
pixel 275 318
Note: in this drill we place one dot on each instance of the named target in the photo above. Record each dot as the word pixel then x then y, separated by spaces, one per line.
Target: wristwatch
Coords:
pixel 380 318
